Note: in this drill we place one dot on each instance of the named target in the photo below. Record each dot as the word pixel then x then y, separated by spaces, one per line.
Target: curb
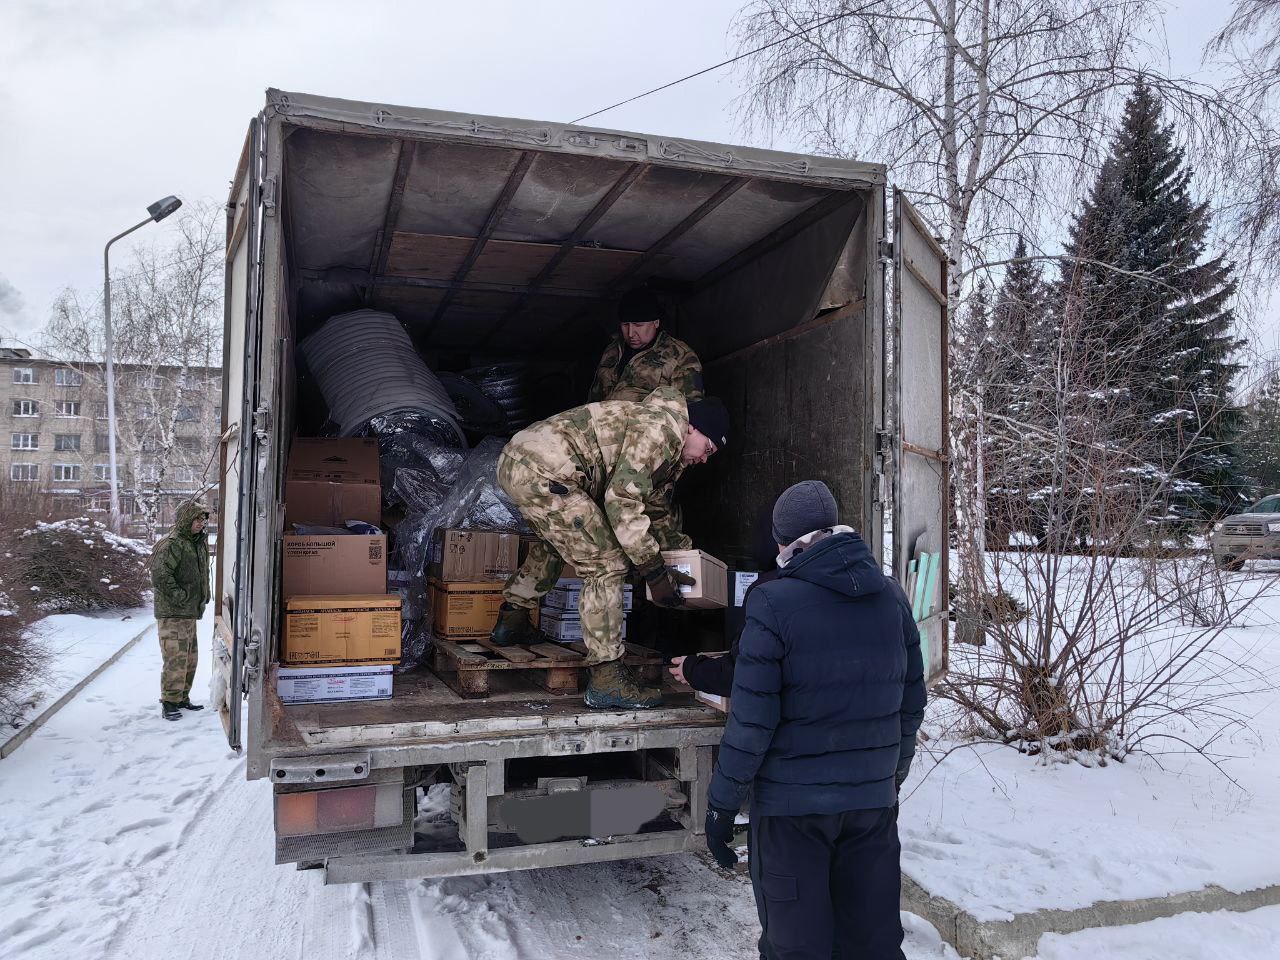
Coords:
pixel 19 738
pixel 1019 938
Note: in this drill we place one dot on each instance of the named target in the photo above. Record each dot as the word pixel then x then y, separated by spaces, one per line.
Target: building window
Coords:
pixel 24 375
pixel 66 471
pixel 184 474
pixel 190 381
pixel 188 414
pixel 100 410
pixel 191 444
pixel 146 411
pixel 149 473
pixel 149 445
pixel 148 381
pixel 66 442
pixel 24 471
pixel 26 408
pixel 68 408
pixel 25 441
pixel 66 377
pixel 102 471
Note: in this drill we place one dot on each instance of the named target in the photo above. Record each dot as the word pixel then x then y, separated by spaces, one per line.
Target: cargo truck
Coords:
pixel 494 239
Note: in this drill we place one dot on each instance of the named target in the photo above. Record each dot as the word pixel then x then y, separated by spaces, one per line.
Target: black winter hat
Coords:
pixel 709 417
pixel 803 508
pixel 640 306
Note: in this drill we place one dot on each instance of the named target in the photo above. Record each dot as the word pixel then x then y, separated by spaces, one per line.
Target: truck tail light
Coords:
pixel 338 810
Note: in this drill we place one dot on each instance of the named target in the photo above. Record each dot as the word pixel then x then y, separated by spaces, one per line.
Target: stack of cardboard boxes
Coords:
pixel 560 619
pixel 341 626
pixel 466 572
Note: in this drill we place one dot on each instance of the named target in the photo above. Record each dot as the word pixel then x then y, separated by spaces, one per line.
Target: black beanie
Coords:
pixel 709 417
pixel 803 508
pixel 640 306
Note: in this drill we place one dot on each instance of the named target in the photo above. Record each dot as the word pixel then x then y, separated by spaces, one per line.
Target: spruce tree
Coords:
pixel 1138 270
pixel 1260 445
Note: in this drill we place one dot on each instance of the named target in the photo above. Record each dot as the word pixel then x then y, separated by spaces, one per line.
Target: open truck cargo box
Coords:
pixel 495 239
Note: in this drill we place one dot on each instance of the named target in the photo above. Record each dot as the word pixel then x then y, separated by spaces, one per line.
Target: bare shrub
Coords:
pixel 76 566
pixel 22 661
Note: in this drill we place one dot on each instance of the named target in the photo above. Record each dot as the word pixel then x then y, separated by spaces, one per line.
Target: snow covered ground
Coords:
pixel 124 836
pixel 1000 833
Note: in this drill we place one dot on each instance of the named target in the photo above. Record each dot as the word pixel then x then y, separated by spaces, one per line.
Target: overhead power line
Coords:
pixel 722 63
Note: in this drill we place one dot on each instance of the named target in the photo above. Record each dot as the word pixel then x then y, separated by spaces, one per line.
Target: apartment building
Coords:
pixel 56 412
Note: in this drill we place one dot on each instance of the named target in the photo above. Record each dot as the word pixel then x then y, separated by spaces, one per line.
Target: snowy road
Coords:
pixel 124 836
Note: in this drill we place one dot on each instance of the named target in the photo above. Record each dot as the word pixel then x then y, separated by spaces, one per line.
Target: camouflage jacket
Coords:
pixel 621 454
pixel 180 568
pixel 665 362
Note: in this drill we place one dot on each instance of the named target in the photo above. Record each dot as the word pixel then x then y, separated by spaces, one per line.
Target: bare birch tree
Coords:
pixel 167 318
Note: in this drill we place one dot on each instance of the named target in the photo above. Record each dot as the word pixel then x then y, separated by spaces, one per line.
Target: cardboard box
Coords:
pixel 334 684
pixel 334 565
pixel 565 597
pixel 473 556
pixel 712 589
pixel 466 609
pixel 330 481
pixel 720 703
pixel 566 627
pixel 341 630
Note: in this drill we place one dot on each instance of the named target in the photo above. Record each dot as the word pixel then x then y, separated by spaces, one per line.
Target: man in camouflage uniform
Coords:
pixel 180 576
pixel 589 483
pixel 643 357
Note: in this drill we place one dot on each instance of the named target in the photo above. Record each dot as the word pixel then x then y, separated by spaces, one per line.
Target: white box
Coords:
pixel 564 627
pixel 565 597
pixel 334 684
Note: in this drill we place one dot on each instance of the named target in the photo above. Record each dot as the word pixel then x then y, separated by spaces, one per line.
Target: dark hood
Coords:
pixel 841 562
pixel 187 513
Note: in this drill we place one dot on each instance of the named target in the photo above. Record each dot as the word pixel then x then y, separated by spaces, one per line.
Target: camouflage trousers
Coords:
pixel 180 651
pixel 570 526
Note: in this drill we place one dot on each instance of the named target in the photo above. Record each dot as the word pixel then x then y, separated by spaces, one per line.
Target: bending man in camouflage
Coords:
pixel 643 357
pixel 180 576
pixel 588 481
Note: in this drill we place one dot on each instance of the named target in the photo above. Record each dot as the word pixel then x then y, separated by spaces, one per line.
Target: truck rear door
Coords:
pixel 921 502
pixel 242 340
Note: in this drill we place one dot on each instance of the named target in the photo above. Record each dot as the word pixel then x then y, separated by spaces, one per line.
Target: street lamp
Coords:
pixel 155 213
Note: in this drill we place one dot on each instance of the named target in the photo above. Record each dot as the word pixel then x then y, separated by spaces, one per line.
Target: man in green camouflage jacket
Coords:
pixel 180 578
pixel 589 482
pixel 643 357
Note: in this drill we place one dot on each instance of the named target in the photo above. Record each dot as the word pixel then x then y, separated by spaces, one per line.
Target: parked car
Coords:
pixel 1252 535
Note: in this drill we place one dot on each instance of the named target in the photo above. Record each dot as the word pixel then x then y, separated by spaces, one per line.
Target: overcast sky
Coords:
pixel 106 107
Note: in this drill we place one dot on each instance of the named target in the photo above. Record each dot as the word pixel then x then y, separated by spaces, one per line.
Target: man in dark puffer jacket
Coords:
pixel 828 694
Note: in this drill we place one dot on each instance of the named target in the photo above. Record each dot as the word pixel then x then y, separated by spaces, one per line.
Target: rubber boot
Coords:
pixel 170 711
pixel 188 705
pixel 614 686
pixel 514 627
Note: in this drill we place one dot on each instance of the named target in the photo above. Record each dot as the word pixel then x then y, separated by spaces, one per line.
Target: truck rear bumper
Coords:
pixel 413 866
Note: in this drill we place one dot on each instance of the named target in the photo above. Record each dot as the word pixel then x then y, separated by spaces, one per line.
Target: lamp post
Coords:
pixel 155 213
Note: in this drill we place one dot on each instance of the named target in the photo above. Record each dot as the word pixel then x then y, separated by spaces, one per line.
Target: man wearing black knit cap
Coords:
pixel 643 356
pixel 828 693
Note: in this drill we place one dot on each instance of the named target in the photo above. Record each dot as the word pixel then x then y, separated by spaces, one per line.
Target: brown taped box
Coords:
pixel 472 556
pixel 466 609
pixel 330 481
pixel 322 566
pixel 712 589
pixel 353 629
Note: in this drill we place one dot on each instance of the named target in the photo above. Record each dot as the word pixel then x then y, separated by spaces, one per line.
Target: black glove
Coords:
pixel 664 584
pixel 720 836
pixel 898 780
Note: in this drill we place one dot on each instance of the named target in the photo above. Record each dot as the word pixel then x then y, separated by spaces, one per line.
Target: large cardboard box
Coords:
pixel 712 589
pixel 334 684
pixel 473 556
pixel 329 565
pixel 466 609
pixel 566 626
pixel 341 630
pixel 330 481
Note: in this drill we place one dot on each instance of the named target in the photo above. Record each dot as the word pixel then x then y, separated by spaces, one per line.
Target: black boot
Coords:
pixel 514 627
pixel 170 711
pixel 614 686
pixel 188 705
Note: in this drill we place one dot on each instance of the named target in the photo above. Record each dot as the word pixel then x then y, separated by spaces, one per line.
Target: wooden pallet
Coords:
pixel 468 665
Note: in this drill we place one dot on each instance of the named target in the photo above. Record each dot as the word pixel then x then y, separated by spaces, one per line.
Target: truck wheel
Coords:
pixel 1229 563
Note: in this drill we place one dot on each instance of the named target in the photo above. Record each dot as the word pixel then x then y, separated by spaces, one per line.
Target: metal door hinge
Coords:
pixel 262 423
pixel 886 250
pixel 269 196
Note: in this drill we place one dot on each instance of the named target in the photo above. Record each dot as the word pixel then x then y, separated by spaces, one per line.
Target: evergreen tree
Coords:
pixel 1137 269
pixel 1260 445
